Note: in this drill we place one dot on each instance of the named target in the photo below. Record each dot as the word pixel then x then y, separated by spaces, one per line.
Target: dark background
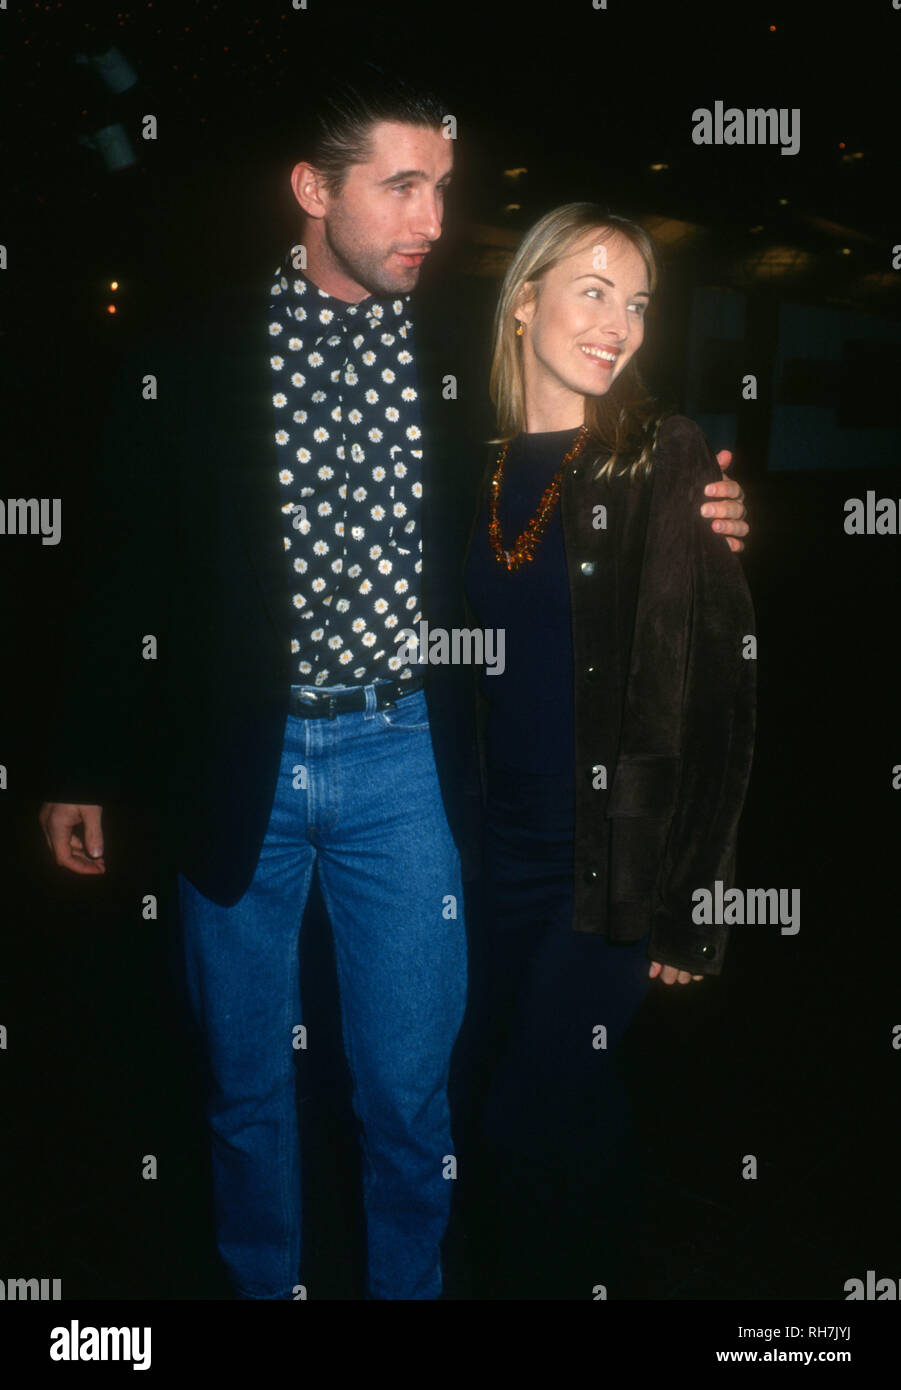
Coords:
pixel 775 265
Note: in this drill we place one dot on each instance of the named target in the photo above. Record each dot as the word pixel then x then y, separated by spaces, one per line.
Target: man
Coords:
pixel 296 498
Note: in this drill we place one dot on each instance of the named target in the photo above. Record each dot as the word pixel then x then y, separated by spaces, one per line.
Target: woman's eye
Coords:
pixel 639 309
pixel 595 289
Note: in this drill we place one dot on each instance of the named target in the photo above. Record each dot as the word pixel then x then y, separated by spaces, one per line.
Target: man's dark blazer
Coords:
pixel 187 549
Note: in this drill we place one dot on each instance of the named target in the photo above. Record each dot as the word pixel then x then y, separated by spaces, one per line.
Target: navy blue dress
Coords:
pixel 552 1098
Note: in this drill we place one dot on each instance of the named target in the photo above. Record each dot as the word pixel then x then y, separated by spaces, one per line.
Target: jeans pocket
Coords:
pixel 410 712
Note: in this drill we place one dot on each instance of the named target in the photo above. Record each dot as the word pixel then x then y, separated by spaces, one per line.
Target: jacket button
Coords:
pixel 705 949
pixel 591 875
pixel 587 567
pixel 591 672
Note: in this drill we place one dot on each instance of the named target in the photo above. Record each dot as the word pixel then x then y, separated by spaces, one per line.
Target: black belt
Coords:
pixel 315 705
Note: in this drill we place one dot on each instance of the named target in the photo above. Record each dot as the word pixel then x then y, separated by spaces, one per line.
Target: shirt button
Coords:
pixel 587 567
pixel 705 949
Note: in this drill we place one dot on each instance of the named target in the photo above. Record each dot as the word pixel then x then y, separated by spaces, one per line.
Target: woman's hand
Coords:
pixel 671 976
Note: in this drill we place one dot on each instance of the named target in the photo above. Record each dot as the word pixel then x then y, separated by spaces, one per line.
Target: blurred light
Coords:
pixel 512 207
pixel 671 232
pixel 514 173
pixel 114 285
pixel 783 202
pixel 657 167
pixel 846 250
pixel 110 308
pixel 777 263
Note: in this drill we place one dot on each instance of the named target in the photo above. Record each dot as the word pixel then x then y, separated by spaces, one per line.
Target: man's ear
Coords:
pixel 308 187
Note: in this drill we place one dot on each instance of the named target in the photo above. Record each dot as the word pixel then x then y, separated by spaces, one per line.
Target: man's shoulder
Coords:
pixel 683 449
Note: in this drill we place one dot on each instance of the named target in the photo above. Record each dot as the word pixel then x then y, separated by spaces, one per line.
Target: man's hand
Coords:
pixel 728 517
pixel 58 821
pixel 671 976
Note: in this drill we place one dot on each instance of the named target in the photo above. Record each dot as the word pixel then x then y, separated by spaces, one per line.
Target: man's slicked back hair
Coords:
pixel 345 111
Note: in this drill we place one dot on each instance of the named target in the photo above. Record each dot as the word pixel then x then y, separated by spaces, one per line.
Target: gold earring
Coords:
pixel 519 331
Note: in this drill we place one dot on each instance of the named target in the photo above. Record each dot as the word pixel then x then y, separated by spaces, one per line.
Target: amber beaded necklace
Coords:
pixel 523 552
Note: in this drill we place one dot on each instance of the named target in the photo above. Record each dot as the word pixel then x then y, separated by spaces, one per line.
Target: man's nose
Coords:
pixel 427 220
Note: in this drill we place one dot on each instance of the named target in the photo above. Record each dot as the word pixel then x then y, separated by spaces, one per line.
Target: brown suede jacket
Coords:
pixel 664 699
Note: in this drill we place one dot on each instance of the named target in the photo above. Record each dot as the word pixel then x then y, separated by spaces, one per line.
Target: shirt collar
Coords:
pixel 377 311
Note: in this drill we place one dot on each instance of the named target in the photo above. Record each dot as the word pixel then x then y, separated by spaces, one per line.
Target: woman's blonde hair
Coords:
pixel 625 421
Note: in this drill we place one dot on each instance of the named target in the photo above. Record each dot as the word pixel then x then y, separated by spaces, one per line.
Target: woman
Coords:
pixel 616 744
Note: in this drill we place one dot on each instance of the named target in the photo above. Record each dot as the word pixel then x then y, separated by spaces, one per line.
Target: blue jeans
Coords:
pixel 358 795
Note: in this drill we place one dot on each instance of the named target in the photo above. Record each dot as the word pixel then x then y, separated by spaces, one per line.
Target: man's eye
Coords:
pixel 401 187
